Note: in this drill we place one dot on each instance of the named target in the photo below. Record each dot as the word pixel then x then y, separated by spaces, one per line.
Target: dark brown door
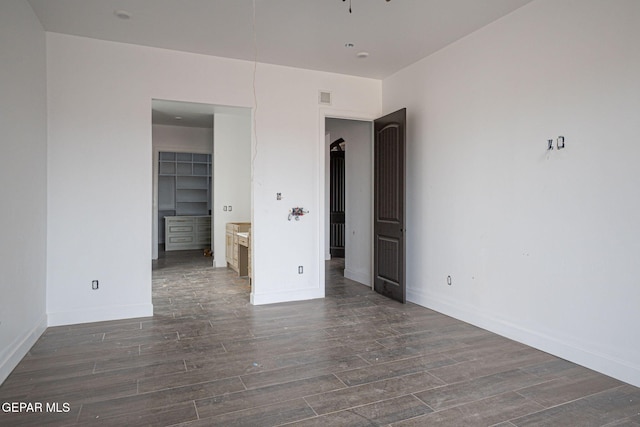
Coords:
pixel 389 202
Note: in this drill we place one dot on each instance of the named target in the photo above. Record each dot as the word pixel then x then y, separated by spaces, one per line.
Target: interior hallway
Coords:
pixel 208 357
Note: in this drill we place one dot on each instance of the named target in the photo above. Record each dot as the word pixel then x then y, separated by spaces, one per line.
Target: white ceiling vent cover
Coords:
pixel 324 97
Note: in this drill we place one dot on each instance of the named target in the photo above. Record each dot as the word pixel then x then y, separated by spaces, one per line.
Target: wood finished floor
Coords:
pixel 209 358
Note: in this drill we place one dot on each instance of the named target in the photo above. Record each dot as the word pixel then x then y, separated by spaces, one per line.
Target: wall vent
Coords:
pixel 324 97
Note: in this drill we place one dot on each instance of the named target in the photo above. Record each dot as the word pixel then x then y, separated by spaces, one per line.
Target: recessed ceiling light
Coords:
pixel 122 14
pixel 349 45
pixel 178 118
pixel 362 54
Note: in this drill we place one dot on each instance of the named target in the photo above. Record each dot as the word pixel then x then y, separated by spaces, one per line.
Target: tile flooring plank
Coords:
pixel 493 364
pixel 349 397
pixel 231 402
pixel 284 375
pixel 289 342
pixel 375 414
pixel 389 354
pixel 486 412
pixel 43 372
pixel 394 369
pixel 598 409
pixel 477 389
pixel 565 389
pixel 485 349
pixel 137 361
pixel 80 390
pixel 555 368
pixel 213 371
pixel 208 345
pixel 165 416
pixel 626 422
pixel 159 399
pixel 80 356
pixel 264 416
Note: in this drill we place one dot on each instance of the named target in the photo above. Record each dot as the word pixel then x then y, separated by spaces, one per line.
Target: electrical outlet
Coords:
pixel 300 269
pixel 94 285
pixel 278 196
pixel 449 280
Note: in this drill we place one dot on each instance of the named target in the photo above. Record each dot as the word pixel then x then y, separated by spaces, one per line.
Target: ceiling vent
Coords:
pixel 324 97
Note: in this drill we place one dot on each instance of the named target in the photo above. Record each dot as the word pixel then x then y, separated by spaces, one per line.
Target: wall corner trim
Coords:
pixel 14 352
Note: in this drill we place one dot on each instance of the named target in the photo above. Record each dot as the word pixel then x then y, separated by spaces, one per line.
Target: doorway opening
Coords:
pixel 337 198
pixel 382 193
pixel 348 216
pixel 202 179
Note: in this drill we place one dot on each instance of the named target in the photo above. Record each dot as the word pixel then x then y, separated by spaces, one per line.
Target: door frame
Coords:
pixel 331 113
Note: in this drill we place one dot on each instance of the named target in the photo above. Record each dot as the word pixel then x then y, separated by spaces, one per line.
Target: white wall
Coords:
pixel 232 177
pixel 100 168
pixel 289 153
pixel 23 173
pixel 358 192
pixel 180 139
pixel 542 246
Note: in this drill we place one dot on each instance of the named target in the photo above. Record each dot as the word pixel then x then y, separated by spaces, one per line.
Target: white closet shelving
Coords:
pixel 184 186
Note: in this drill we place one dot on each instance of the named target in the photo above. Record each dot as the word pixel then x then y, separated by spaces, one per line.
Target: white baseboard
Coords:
pixel 622 370
pixel 286 296
pixel 14 352
pixel 358 277
pixel 100 314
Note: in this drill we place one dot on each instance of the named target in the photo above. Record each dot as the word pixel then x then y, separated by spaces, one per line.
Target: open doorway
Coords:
pixel 202 178
pixel 337 202
pixel 182 141
pixel 357 151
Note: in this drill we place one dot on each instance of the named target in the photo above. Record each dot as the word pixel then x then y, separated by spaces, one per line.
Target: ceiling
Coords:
pixel 300 33
pixel 190 114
